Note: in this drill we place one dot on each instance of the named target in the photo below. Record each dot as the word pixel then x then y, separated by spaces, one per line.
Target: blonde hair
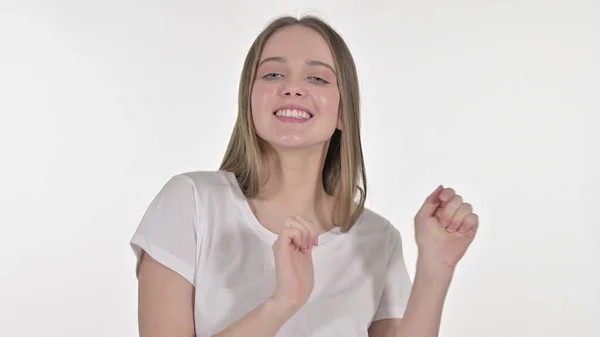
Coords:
pixel 344 170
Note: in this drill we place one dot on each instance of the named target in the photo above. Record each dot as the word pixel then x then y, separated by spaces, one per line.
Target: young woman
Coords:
pixel 278 242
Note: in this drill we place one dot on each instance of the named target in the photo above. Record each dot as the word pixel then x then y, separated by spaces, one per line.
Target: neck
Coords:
pixel 295 179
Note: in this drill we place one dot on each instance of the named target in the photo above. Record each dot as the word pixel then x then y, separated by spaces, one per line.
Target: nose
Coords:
pixel 292 88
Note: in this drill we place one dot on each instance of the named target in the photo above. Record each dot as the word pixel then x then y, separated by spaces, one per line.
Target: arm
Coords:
pixel 424 310
pixel 166 307
pixel 294 283
pixel 264 321
pixel 165 245
pixel 165 301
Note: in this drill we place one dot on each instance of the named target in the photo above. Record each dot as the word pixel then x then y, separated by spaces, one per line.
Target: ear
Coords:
pixel 339 122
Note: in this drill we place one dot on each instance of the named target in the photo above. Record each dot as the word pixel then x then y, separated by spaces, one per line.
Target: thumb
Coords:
pixel 431 204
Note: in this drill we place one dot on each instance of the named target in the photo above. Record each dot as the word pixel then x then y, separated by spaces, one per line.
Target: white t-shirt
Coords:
pixel 201 226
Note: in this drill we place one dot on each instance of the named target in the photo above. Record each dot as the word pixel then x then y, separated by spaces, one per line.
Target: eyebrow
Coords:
pixel 279 59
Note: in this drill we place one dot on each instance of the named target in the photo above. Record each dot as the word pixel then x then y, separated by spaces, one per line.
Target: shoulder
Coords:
pixel 375 225
pixel 374 222
pixel 199 181
pixel 198 185
pixel 204 179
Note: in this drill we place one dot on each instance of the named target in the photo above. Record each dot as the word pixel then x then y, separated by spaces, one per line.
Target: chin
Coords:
pixel 295 143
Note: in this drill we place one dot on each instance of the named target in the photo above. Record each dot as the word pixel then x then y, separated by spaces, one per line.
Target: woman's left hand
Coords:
pixel 445 226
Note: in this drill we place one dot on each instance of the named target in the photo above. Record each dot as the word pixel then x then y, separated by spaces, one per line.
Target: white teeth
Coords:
pixel 293 113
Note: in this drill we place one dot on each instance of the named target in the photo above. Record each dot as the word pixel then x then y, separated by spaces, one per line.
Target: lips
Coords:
pixel 293 110
pixel 293 113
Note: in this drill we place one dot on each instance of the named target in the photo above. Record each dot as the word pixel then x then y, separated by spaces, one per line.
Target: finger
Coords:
pixel 431 204
pixel 460 215
pixel 300 238
pixel 290 234
pixel 312 238
pixel 448 211
pixel 446 196
pixel 469 224
pixel 306 232
pixel 303 237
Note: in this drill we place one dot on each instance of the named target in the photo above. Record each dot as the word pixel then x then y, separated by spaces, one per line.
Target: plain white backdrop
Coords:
pixel 101 102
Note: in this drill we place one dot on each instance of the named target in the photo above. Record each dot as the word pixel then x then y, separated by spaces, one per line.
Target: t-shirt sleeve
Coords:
pixel 168 231
pixel 397 283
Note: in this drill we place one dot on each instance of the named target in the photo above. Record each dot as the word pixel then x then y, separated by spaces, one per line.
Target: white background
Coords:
pixel 102 101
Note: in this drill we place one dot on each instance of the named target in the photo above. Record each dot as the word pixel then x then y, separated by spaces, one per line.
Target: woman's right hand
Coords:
pixel 294 264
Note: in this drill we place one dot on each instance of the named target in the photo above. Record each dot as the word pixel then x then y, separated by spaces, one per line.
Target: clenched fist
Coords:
pixel 293 263
pixel 445 226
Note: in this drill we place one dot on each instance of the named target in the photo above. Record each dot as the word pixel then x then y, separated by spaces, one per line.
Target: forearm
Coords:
pixel 424 310
pixel 264 321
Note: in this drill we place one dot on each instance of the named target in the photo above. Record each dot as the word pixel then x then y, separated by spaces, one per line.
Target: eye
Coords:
pixel 272 76
pixel 318 79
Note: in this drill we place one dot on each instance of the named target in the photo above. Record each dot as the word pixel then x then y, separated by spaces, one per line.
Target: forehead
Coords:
pixel 297 42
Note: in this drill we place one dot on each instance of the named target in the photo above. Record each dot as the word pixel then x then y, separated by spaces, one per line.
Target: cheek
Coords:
pixel 255 96
pixel 261 98
pixel 257 103
pixel 329 103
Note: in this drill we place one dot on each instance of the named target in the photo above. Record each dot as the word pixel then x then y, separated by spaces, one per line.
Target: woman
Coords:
pixel 278 241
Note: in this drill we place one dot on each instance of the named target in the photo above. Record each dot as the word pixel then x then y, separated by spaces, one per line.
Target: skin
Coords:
pixel 297 70
pixel 296 67
pixel 294 205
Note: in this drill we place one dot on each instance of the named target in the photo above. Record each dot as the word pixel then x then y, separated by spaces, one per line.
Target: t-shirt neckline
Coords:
pixel 264 233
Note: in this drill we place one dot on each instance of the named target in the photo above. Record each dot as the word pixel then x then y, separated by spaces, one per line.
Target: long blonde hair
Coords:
pixel 344 170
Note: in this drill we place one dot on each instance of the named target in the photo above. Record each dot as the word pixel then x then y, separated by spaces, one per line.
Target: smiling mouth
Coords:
pixel 293 113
